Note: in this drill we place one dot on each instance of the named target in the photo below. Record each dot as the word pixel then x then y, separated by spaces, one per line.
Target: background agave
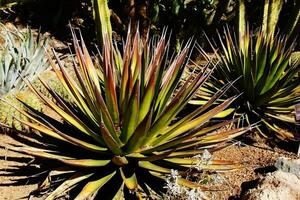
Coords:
pixel 22 56
pixel 125 128
pixel 259 63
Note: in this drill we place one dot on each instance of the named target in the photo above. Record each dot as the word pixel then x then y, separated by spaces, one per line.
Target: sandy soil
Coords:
pixel 259 159
pixel 8 161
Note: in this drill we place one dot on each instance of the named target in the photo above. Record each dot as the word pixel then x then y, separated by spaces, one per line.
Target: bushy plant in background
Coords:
pixel 186 18
pixel 260 65
pixel 265 70
pixel 125 128
pixel 271 17
pixel 22 56
pixel 8 113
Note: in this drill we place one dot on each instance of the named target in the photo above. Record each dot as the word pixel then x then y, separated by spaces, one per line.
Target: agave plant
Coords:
pixel 259 63
pixel 125 129
pixel 22 56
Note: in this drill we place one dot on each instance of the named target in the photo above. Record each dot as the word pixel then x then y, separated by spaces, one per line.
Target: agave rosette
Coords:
pixel 259 64
pixel 22 56
pixel 123 132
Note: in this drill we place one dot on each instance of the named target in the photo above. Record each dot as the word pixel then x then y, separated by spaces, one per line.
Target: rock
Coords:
pixel 278 185
pixel 288 165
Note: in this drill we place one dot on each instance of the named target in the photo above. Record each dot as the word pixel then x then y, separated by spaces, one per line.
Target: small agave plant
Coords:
pixel 260 65
pixel 125 130
pixel 22 56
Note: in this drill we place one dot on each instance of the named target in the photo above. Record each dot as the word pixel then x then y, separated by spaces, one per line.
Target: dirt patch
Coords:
pixel 258 158
pixel 10 160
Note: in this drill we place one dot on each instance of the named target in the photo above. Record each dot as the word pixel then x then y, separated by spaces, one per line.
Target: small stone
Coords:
pixel 278 185
pixel 288 165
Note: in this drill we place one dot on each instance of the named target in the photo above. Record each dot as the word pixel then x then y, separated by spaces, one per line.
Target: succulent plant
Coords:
pixel 126 128
pixel 22 56
pixel 9 113
pixel 267 79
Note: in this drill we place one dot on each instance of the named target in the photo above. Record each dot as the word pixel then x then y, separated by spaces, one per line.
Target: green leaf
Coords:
pixel 130 182
pixel 91 187
pixel 67 185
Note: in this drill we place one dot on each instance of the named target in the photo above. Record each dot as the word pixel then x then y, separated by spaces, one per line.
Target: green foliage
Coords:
pixel 52 80
pixel 22 56
pixel 187 18
pixel 102 19
pixel 180 9
pixel 265 76
pixel 8 113
pixel 4 4
pixel 125 128
pixel 269 15
pixel 272 9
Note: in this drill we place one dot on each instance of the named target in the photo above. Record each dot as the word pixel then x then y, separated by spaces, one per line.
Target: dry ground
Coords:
pixel 259 159
pixel 7 162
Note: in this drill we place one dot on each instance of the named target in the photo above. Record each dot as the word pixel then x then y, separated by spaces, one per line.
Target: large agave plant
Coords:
pixel 268 82
pixel 22 56
pixel 125 128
